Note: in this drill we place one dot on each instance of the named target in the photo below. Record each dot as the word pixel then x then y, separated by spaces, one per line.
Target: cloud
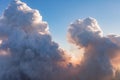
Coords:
pixel 84 32
pixel 27 51
pixel 100 52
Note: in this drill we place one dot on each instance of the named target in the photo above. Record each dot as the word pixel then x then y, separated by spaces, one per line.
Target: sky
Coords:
pixel 28 50
pixel 60 13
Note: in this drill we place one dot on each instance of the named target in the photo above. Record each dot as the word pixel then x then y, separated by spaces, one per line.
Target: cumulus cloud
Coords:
pixel 100 52
pixel 84 32
pixel 27 51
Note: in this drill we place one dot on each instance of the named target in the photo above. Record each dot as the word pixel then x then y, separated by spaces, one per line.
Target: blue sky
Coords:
pixel 60 13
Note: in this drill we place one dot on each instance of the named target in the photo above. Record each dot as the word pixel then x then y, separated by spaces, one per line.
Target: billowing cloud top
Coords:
pixel 19 15
pixel 27 51
pixel 83 32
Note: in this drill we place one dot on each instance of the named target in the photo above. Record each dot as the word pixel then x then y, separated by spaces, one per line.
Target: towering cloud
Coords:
pixel 100 52
pixel 27 51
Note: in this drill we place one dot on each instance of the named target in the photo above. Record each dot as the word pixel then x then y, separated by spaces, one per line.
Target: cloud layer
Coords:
pixel 27 51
